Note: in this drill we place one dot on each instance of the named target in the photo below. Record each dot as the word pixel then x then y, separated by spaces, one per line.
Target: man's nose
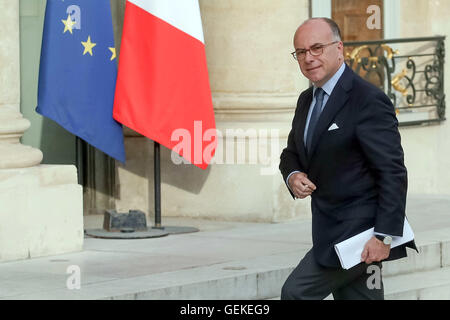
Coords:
pixel 309 57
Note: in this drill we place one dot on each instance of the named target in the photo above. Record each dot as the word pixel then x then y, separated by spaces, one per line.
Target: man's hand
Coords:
pixel 300 185
pixel 375 250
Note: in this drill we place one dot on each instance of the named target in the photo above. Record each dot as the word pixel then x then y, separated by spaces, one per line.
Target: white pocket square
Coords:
pixel 333 127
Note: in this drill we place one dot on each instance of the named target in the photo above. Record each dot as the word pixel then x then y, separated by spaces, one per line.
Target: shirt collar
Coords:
pixel 330 84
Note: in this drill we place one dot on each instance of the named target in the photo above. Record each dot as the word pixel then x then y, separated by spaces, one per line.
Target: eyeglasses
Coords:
pixel 316 50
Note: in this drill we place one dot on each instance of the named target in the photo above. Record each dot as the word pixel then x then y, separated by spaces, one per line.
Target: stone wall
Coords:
pixel 255 85
pixel 427 150
pixel 41 210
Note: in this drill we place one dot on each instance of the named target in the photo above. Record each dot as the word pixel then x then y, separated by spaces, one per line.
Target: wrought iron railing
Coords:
pixel 410 71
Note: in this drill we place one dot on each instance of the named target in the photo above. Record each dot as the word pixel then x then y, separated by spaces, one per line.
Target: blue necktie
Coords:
pixel 314 117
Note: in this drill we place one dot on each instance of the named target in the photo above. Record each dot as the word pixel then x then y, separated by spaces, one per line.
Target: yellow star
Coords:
pixel 68 24
pixel 113 50
pixel 88 45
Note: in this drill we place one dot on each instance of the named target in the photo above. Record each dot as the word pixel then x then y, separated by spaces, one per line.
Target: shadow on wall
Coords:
pixel 189 178
pixel 140 161
pixel 57 144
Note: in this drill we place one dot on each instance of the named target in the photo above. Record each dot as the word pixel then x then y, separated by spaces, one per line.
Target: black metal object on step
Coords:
pixel 134 219
pixel 131 225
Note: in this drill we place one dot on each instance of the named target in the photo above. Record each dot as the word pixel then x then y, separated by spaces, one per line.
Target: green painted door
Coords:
pixel 57 145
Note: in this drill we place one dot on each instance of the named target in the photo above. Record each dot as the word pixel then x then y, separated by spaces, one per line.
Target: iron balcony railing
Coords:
pixel 410 71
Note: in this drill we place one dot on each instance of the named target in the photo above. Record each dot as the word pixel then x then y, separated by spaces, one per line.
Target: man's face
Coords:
pixel 318 69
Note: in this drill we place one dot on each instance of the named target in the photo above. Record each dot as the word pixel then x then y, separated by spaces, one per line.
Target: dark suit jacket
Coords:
pixel 358 169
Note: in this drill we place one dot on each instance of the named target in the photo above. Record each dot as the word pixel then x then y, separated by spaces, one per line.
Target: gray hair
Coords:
pixel 336 32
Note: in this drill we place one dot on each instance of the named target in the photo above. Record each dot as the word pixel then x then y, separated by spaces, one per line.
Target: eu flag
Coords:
pixel 78 70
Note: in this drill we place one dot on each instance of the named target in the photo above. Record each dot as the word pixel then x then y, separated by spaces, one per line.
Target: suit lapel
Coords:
pixel 335 102
pixel 306 104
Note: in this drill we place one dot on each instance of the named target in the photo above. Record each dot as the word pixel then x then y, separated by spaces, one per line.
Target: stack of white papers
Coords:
pixel 349 251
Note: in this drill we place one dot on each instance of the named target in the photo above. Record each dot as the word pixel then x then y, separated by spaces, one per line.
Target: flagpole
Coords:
pixel 157 184
pixel 157 166
pixel 79 154
pixel 131 224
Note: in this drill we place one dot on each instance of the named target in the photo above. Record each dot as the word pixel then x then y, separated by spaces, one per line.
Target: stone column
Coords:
pixel 41 206
pixel 12 124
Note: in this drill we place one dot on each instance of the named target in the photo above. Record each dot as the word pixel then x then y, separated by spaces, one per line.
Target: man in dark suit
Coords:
pixel 344 151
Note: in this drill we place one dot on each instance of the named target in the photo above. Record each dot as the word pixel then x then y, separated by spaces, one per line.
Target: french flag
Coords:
pixel 162 82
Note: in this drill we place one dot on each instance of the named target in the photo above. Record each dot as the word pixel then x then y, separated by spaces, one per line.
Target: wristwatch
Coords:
pixel 387 240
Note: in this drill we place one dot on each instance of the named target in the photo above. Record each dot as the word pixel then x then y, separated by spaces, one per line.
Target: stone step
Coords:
pixel 255 278
pixel 426 285
pixel 262 277
pixel 434 253
pixel 417 276
pixel 431 256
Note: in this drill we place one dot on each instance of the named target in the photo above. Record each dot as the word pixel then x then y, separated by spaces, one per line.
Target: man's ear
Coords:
pixel 340 47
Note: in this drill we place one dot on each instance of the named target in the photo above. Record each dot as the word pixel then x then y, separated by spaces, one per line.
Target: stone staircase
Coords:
pixel 423 276
pixel 419 276
pixel 241 262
